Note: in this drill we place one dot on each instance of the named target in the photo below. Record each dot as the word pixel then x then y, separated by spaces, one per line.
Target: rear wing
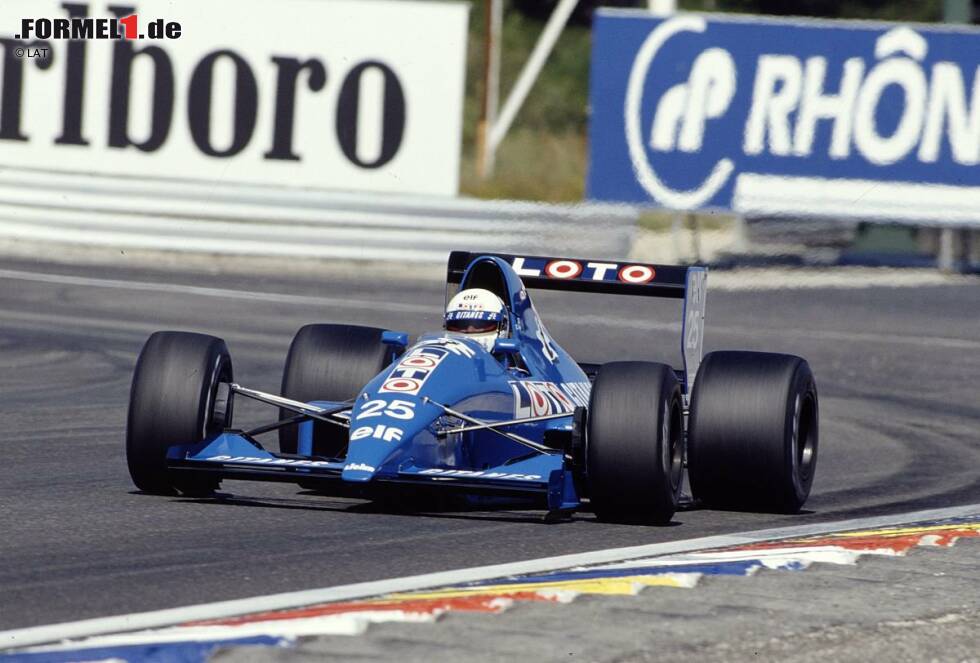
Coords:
pixel 614 278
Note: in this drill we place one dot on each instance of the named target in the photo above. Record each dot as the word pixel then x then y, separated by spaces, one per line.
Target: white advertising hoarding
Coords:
pixel 358 95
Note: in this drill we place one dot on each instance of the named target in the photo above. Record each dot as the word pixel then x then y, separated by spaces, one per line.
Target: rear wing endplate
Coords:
pixel 614 278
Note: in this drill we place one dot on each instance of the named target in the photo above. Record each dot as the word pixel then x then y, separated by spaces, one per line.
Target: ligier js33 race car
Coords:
pixel 490 408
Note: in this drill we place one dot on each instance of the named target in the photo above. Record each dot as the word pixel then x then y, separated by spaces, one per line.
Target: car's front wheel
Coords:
pixel 176 398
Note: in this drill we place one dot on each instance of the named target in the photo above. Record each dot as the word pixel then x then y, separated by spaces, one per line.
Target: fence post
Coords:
pixel 552 30
pixel 954 11
pixel 946 258
pixel 491 87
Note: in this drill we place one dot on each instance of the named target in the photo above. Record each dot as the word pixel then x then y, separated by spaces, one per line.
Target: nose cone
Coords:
pixel 391 419
pixel 382 432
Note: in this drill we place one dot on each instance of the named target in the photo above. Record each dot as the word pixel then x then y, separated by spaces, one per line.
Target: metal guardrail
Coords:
pixel 235 219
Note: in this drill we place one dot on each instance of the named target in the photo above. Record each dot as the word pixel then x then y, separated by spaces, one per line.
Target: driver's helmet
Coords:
pixel 479 314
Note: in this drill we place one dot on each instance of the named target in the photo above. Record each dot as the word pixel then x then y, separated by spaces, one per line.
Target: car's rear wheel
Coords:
pixel 176 398
pixel 329 363
pixel 753 431
pixel 634 443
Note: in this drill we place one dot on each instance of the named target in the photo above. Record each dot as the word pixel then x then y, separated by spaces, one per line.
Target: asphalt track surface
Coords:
pixel 897 370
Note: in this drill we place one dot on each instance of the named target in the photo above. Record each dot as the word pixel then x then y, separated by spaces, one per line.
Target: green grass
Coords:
pixel 543 156
pixel 532 165
pixel 663 220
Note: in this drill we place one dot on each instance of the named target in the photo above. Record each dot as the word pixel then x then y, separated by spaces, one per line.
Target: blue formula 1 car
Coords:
pixel 490 408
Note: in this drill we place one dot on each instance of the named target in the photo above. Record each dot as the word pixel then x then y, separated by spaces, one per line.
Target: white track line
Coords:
pixel 202 291
pixel 160 618
pixel 122 330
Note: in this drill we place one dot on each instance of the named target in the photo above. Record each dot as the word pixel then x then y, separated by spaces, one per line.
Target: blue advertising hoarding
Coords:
pixel 788 116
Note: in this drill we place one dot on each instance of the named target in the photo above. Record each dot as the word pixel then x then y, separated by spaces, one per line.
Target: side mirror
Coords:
pixel 506 346
pixel 398 340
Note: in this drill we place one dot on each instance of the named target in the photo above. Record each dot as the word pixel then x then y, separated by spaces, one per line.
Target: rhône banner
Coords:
pixel 788 116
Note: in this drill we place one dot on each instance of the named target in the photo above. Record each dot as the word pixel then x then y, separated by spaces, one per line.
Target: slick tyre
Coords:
pixel 634 443
pixel 176 397
pixel 329 363
pixel 753 432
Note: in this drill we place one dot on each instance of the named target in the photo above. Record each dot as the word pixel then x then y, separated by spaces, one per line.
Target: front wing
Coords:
pixel 543 480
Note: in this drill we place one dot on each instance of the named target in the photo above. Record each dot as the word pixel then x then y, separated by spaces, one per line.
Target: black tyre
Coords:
pixel 175 399
pixel 634 443
pixel 329 363
pixel 753 431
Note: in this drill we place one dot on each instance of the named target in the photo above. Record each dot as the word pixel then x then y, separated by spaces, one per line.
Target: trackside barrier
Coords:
pixel 231 219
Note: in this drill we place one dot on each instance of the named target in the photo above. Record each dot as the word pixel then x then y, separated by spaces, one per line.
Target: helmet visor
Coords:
pixel 471 326
pixel 473 322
